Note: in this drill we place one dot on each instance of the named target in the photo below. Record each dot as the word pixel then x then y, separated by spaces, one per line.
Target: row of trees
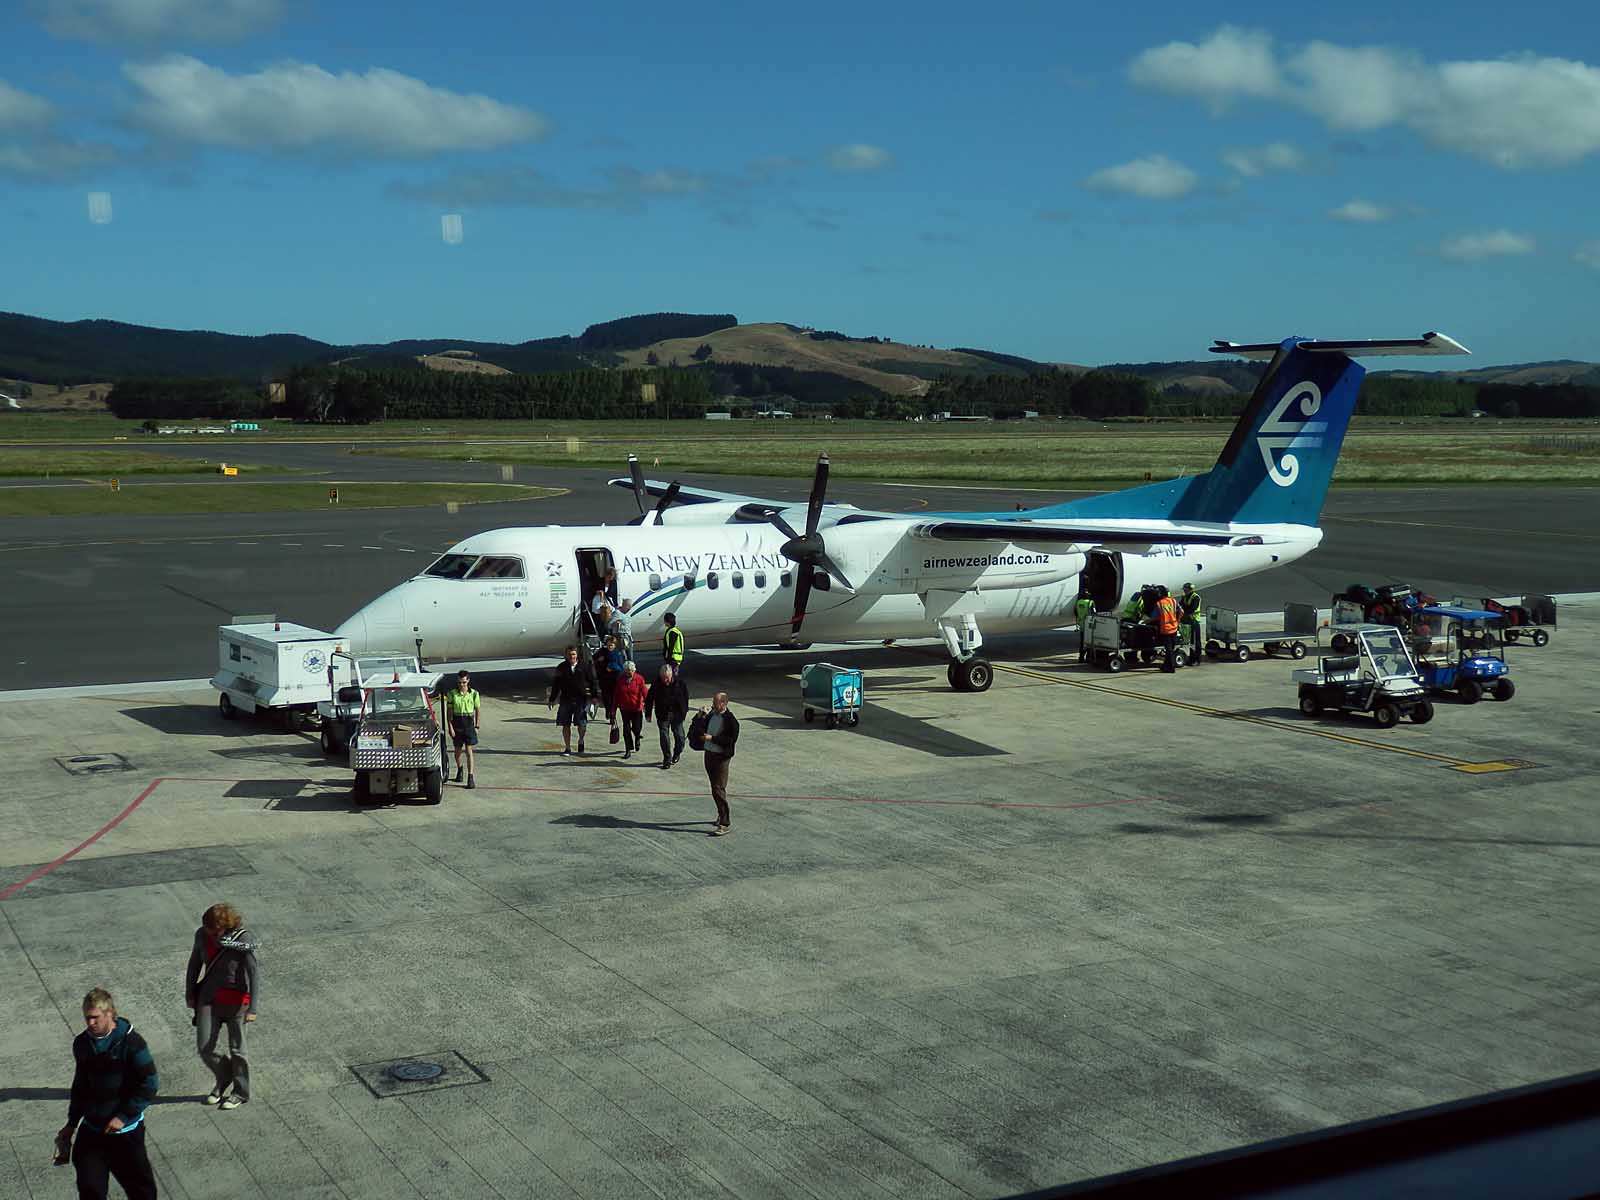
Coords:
pixel 1095 395
pixel 147 399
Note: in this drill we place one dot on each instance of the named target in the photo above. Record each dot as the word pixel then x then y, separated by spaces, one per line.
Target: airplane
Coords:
pixel 741 570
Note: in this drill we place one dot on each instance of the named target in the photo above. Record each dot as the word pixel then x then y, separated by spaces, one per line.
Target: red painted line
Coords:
pixel 85 844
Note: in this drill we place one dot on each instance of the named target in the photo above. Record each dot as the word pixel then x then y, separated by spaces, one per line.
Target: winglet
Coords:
pixel 1428 344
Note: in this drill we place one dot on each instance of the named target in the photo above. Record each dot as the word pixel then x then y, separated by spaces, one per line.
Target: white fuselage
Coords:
pixel 730 585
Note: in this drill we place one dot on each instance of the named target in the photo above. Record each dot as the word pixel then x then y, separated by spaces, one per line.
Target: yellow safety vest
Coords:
pixel 462 704
pixel 672 643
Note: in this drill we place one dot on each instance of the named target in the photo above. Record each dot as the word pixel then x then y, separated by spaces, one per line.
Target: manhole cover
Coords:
pixel 415 1072
pixel 94 764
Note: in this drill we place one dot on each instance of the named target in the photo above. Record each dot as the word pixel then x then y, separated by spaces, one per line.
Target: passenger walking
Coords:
pixel 221 985
pixel 1189 617
pixel 1082 609
pixel 630 696
pixel 574 686
pixel 668 702
pixel 718 731
pixel 113 1082
pixel 1166 620
pixel 672 643
pixel 608 662
pixel 621 628
pixel 465 709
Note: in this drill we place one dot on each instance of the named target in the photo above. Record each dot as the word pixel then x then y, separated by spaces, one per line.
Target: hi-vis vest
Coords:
pixel 462 704
pixel 1083 608
pixel 1134 609
pixel 1190 604
pixel 1166 615
pixel 672 644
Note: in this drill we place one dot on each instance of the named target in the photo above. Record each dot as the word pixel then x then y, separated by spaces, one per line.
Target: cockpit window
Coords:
pixel 492 567
pixel 452 566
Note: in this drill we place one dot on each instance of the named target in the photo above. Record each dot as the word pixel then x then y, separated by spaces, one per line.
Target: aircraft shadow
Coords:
pixel 190 719
pixel 605 821
pixel 880 724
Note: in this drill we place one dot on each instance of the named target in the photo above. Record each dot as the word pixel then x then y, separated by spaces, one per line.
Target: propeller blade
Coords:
pixel 802 593
pixel 828 565
pixel 819 490
pixel 637 472
pixel 667 497
pixel 783 526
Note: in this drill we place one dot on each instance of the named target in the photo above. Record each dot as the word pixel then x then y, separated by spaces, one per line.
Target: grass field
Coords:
pixel 109 464
pixel 167 499
pixel 1053 457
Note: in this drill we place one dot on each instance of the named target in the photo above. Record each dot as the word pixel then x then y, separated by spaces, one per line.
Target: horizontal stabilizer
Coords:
pixel 1087 533
pixel 1428 343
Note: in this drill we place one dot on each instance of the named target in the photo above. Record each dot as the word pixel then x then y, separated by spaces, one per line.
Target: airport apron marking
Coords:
pixel 1455 764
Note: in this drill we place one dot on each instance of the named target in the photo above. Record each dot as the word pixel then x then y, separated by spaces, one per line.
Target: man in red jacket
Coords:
pixel 629 697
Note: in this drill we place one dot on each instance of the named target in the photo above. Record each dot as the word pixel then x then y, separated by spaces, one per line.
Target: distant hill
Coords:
pixel 1223 376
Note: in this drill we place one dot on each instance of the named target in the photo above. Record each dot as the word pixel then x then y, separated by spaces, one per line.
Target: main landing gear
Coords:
pixel 970 672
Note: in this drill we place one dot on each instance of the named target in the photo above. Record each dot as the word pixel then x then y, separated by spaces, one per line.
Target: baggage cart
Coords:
pixel 1224 641
pixel 835 692
pixel 338 720
pixel 396 746
pixel 1114 644
pixel 1533 620
pixel 273 665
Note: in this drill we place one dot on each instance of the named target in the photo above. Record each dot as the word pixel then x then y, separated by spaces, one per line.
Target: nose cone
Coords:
pixel 381 625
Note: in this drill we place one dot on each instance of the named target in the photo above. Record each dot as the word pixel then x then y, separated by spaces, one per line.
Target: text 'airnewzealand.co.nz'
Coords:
pixel 985 560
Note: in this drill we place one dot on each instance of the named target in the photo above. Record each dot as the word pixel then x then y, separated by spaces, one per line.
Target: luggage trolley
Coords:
pixel 1114 644
pixel 1533 619
pixel 834 691
pixel 1225 641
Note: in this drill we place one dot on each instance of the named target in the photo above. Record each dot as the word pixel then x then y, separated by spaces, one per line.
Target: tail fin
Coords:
pixel 1279 460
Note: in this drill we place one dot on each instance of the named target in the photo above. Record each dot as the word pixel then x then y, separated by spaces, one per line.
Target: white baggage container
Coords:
pixel 274 665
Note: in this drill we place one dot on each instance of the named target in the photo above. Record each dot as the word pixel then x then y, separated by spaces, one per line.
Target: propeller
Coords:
pixel 640 494
pixel 807 550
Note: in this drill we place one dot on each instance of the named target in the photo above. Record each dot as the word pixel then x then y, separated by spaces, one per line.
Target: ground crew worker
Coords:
pixel 1133 610
pixel 672 644
pixel 465 707
pixel 1166 617
pixel 1189 619
pixel 1082 609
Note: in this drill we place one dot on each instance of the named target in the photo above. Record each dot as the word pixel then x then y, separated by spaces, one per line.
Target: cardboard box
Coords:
pixel 400 737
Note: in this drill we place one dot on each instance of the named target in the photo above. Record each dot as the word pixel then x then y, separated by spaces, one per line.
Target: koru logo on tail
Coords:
pixel 1288 427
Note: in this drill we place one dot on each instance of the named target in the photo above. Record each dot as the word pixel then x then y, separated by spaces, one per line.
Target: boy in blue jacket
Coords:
pixel 114 1082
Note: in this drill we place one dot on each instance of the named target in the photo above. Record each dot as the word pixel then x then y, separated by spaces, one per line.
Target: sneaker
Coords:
pixel 472 782
pixel 580 745
pixel 458 774
pixel 666 764
pixel 232 1102
pixel 568 750
pixel 720 831
pixel 626 755
pixel 214 1096
pixel 677 756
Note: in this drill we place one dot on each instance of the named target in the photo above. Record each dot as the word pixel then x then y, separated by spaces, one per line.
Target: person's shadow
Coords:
pixel 605 821
pixel 60 1093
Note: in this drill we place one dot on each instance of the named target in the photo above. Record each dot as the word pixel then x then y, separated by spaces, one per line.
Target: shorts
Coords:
pixel 573 712
pixel 463 731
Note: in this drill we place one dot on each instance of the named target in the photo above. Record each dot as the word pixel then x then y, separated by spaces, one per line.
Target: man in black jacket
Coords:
pixel 667 702
pixel 575 687
pixel 114 1082
pixel 721 730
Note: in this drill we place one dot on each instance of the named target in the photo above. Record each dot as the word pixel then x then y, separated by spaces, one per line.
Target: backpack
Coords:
pixel 697 732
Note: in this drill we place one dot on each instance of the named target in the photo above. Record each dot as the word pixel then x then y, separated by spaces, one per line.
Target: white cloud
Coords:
pixel 23 110
pixel 450 228
pixel 1500 243
pixel 1230 64
pixel 1251 161
pixel 1155 177
pixel 1588 255
pixel 666 181
pixel 859 157
pixel 299 106
pixel 1362 211
pixel 1517 111
pixel 148 20
pixel 55 160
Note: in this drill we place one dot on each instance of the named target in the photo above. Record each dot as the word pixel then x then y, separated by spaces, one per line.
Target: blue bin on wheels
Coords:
pixel 834 692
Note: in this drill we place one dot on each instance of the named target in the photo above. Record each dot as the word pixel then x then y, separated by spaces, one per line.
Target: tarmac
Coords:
pixel 979 944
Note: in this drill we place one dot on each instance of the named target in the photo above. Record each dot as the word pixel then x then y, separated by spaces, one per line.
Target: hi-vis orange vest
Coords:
pixel 1167 615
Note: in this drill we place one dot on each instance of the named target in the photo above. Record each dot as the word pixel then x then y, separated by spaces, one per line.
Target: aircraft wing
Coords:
pixel 697 495
pixel 1137 533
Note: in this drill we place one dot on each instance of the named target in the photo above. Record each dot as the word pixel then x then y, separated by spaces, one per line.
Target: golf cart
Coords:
pixel 1474 661
pixel 396 746
pixel 1378 676
pixel 345 673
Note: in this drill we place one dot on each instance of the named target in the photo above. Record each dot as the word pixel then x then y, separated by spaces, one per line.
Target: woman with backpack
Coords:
pixel 222 984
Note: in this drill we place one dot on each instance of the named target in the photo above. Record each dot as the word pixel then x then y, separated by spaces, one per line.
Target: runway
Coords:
pixel 116 601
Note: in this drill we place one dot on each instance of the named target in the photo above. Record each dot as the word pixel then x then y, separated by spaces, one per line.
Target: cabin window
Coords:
pixel 786 580
pixel 738 579
pixel 711 580
pixel 452 566
pixel 497 567
pixel 760 579
pixel 655 582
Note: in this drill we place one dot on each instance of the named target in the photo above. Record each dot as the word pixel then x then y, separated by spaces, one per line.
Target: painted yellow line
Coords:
pixel 1457 764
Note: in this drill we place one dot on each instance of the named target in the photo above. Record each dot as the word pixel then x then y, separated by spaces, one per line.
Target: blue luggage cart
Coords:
pixel 832 691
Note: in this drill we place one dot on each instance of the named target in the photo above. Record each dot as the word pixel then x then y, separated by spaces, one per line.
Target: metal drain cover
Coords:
pixel 94 764
pixel 415 1071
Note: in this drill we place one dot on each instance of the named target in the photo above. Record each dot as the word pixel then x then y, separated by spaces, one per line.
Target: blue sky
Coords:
pixel 1068 182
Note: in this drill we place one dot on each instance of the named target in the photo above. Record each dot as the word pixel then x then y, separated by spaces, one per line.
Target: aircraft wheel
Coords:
pixel 1470 691
pixel 1114 664
pixel 1386 715
pixel 1297 650
pixel 433 785
pixel 974 675
pixel 226 708
pixel 1504 689
pixel 1422 713
pixel 1309 704
pixel 1540 637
